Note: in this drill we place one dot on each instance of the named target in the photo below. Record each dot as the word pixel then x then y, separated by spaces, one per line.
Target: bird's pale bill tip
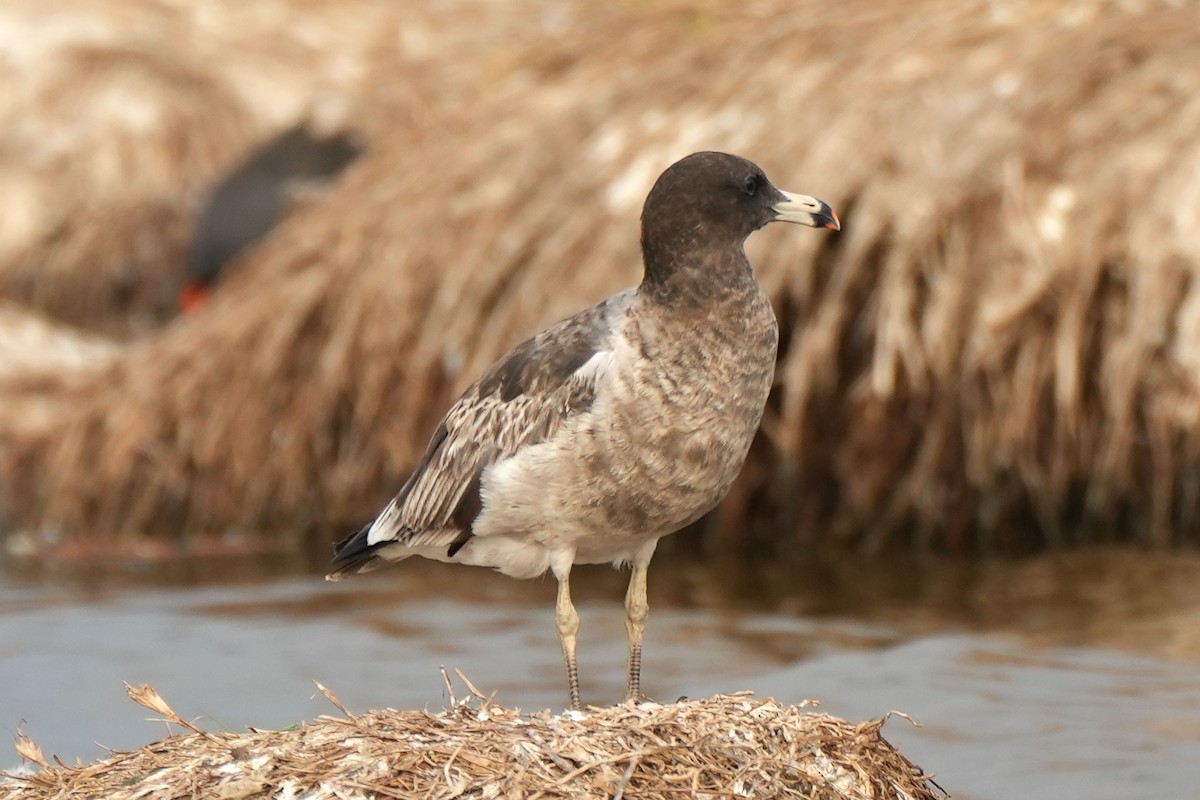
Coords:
pixel 805 210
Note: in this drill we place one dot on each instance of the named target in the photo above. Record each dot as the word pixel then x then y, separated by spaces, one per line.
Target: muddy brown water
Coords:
pixel 1076 675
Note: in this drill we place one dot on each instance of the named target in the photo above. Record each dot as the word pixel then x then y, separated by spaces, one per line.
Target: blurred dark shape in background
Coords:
pixel 122 116
pixel 248 202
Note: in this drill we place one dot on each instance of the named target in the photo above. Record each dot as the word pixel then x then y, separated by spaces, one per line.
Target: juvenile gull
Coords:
pixel 600 435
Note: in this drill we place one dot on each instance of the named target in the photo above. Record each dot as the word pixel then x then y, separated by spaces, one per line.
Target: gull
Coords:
pixel 592 440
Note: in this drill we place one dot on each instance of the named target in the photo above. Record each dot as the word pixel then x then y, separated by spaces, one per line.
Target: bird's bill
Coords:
pixel 805 210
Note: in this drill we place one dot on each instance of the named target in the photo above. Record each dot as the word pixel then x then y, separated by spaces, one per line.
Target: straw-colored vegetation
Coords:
pixel 121 114
pixel 32 346
pixel 999 351
pixel 725 746
pixel 36 357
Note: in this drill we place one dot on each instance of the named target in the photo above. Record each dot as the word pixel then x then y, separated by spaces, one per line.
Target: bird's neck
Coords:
pixel 686 276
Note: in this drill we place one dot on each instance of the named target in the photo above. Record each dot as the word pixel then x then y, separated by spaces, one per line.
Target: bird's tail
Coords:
pixel 354 554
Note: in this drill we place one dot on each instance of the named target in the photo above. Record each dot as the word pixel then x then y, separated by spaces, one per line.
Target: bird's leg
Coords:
pixel 636 611
pixel 568 625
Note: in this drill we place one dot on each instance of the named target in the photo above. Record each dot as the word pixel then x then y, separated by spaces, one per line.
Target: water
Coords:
pixel 1002 715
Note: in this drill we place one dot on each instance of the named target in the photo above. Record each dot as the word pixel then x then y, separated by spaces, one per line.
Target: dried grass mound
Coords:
pixel 724 746
pixel 998 352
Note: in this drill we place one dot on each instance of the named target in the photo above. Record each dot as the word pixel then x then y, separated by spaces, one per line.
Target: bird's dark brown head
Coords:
pixel 708 203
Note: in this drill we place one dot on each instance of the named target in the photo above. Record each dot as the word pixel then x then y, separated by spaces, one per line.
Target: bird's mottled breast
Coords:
pixel 685 398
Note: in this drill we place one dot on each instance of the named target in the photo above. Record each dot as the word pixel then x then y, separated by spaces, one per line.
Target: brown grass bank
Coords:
pixel 123 113
pixel 998 352
pixel 36 358
pixel 733 745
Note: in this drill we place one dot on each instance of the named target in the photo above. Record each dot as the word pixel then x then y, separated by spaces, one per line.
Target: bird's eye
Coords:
pixel 751 185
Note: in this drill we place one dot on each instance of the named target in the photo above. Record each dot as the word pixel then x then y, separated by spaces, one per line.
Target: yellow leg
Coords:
pixel 636 611
pixel 568 625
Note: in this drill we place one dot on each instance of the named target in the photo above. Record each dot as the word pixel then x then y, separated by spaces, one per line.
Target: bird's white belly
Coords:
pixel 513 557
pixel 525 559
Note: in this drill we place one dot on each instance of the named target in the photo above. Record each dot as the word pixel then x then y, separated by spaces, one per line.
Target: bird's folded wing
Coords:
pixel 522 400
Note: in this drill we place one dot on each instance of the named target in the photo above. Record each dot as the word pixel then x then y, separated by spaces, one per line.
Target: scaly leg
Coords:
pixel 568 625
pixel 636 611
